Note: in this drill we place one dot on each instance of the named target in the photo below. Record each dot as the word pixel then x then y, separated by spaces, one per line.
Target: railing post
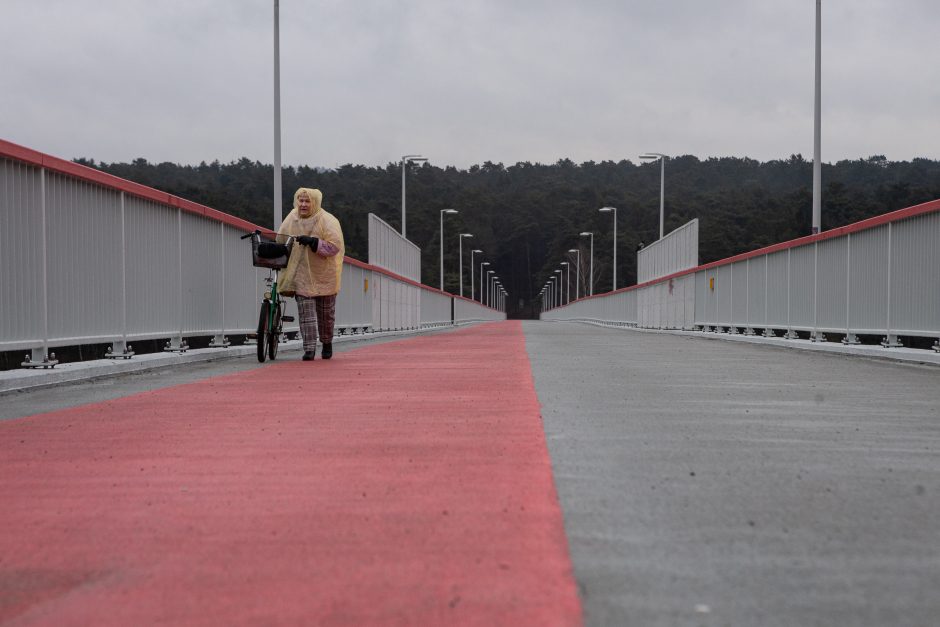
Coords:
pixel 891 339
pixel 817 336
pixel 790 334
pixel 220 341
pixel 176 343
pixel 768 332
pixel 850 338
pixel 120 349
pixel 749 330
pixel 40 356
pixel 732 330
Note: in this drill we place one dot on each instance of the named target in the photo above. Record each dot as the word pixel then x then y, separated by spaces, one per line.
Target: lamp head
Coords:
pixel 606 209
pixel 449 211
pixel 478 251
pixel 573 250
pixel 647 156
pixel 586 233
pixel 466 235
pixel 485 263
pixel 564 263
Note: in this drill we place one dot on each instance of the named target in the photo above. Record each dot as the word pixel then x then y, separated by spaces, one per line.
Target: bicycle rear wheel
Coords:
pixel 263 328
pixel 274 335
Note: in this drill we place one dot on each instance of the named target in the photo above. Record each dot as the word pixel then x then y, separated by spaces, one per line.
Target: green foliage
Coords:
pixel 526 216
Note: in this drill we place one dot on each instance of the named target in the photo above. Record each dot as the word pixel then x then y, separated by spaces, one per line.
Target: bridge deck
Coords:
pixel 722 483
pixel 404 483
pixel 698 482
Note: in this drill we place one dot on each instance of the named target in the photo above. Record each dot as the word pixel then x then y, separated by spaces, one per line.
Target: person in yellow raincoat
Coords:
pixel 314 269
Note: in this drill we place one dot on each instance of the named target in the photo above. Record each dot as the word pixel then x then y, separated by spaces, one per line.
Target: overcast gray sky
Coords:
pixel 462 82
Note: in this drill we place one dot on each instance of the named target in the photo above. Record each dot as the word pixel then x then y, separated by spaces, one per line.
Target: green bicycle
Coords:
pixel 273 256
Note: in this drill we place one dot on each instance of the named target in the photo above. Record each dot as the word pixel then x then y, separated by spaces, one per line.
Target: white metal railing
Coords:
pixel 389 250
pixel 436 308
pixel 618 308
pixel 880 276
pixel 86 257
pixel 467 310
pixel 673 253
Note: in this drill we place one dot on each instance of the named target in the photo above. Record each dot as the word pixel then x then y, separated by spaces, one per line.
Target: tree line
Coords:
pixel 526 216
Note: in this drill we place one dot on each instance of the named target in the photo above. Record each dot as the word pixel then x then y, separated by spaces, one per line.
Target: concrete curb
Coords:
pixel 24 379
pixel 905 355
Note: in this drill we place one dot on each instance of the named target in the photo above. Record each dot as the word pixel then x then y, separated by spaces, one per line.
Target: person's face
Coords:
pixel 304 206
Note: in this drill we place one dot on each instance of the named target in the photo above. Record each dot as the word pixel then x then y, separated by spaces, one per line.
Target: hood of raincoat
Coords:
pixel 315 196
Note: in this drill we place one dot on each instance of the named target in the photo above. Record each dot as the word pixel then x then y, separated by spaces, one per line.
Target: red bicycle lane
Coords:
pixel 402 483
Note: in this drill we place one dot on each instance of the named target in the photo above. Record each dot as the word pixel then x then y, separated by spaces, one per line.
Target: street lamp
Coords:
pixel 577 274
pixel 561 289
pixel 662 183
pixel 592 259
pixel 485 263
pixel 278 201
pixel 487 290
pixel 443 211
pixel 554 282
pixel 460 252
pixel 567 280
pixel 405 160
pixel 817 119
pixel 472 252
pixel 606 210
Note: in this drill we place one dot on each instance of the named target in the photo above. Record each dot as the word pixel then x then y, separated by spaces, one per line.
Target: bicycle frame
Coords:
pixel 272 296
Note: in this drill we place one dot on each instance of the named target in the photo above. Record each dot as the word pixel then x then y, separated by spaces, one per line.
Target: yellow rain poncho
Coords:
pixel 312 272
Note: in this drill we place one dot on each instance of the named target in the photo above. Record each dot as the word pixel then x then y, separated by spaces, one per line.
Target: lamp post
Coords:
pixel 472 252
pixel 485 263
pixel 278 201
pixel 561 289
pixel 817 119
pixel 567 281
pixel 443 211
pixel 577 274
pixel 405 160
pixel 592 259
pixel 487 290
pixel 662 183
pixel 554 296
pixel 460 253
pixel 606 210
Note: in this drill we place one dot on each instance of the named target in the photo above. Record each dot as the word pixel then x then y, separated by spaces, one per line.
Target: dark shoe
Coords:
pixel 327 351
pixel 309 355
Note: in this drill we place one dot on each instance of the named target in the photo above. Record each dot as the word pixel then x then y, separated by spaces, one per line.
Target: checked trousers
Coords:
pixel 317 317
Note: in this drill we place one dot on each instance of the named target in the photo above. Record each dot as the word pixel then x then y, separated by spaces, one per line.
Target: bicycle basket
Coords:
pixel 268 254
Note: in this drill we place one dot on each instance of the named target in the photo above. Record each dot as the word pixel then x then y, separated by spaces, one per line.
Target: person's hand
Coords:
pixel 308 240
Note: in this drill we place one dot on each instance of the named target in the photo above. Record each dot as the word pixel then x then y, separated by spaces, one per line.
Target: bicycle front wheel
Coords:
pixel 263 328
pixel 275 333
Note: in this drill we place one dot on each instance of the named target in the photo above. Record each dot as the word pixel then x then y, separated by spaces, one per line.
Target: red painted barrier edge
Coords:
pixel 34 157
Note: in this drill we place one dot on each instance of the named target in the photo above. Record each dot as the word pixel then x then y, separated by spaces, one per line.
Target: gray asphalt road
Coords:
pixel 716 483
